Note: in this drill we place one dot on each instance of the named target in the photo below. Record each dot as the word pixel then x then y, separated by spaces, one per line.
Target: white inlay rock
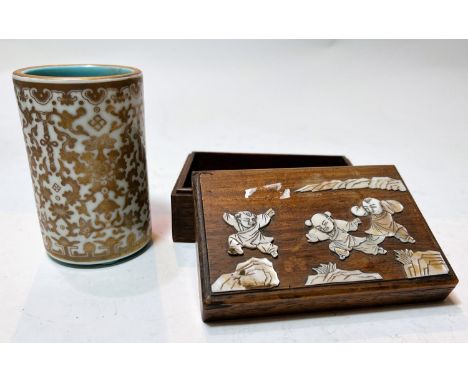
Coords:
pixel 251 274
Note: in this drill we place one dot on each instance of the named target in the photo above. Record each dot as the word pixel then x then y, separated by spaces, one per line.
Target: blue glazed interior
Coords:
pixel 78 71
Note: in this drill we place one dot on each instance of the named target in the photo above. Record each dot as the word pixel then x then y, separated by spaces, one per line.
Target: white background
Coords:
pixel 377 102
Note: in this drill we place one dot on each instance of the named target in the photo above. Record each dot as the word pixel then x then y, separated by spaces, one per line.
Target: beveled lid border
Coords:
pixel 21 76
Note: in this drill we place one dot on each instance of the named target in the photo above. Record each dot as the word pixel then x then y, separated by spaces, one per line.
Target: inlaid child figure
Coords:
pixel 324 227
pixel 248 225
pixel 382 224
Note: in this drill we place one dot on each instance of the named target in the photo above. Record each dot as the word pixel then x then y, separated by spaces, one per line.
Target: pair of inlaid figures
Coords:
pixel 324 227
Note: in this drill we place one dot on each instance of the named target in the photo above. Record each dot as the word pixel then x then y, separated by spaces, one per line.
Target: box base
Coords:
pixel 183 228
pixel 326 303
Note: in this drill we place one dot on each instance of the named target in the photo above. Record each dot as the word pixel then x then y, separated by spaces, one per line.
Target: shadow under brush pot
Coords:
pixel 83 127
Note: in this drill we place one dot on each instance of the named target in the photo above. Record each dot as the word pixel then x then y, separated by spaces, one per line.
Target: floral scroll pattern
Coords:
pixel 86 152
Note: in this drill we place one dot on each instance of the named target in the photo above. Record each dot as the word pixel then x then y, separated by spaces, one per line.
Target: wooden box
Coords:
pixel 183 228
pixel 345 237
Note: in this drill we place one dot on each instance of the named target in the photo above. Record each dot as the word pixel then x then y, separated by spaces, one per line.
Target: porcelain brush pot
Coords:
pixel 84 131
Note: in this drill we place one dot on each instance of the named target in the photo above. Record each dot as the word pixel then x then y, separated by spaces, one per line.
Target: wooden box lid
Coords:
pixel 294 240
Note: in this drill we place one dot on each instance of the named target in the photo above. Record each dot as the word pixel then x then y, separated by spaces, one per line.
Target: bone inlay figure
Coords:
pixel 324 227
pixel 248 233
pixel 382 223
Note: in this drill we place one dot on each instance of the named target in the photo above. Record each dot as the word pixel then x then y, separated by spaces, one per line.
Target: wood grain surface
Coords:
pixel 218 192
